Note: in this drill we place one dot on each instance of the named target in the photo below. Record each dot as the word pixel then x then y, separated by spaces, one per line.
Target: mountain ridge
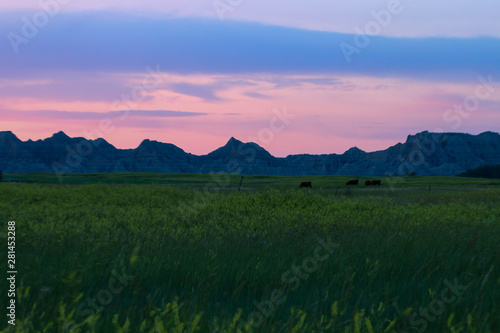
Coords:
pixel 424 153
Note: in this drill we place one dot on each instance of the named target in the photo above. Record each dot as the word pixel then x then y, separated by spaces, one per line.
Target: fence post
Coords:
pixel 241 181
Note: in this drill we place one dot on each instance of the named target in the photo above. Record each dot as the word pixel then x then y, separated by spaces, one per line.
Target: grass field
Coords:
pixel 190 253
pixel 252 182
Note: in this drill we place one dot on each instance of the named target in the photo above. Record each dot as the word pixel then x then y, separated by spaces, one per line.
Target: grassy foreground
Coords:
pixel 128 257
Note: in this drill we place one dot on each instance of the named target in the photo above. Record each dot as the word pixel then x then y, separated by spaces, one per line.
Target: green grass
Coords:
pixel 203 262
pixel 250 181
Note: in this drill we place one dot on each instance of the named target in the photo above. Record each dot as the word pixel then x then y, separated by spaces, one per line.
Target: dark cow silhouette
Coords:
pixel 376 182
pixel 352 182
pixel 306 184
pixel 368 183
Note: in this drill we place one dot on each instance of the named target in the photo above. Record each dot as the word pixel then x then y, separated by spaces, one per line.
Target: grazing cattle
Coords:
pixel 376 182
pixel 368 183
pixel 352 182
pixel 306 184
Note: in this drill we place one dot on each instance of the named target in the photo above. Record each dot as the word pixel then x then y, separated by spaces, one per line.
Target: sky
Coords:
pixel 295 77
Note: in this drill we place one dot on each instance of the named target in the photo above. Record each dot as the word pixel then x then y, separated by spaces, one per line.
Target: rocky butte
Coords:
pixel 436 154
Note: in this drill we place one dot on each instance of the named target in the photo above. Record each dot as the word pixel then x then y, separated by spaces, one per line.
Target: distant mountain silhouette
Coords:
pixel 443 154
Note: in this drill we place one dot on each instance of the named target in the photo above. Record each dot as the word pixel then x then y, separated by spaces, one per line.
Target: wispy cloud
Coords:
pixel 422 18
pixel 89 115
pixel 205 92
pixel 105 42
pixel 258 95
pixel 287 81
pixel 208 91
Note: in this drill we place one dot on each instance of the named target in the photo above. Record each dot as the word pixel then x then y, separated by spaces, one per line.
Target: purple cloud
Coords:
pixel 107 42
pixel 89 115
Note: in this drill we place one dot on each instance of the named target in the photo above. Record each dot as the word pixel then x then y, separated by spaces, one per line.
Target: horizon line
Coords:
pixel 241 142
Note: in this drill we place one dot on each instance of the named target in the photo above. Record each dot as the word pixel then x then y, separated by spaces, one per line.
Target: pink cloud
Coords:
pixel 327 119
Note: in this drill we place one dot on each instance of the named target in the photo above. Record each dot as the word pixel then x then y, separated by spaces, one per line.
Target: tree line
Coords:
pixel 486 171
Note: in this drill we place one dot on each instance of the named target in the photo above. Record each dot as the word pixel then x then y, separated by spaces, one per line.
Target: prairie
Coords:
pixel 188 253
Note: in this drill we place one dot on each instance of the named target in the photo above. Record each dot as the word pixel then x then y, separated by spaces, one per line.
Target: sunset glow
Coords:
pixel 180 74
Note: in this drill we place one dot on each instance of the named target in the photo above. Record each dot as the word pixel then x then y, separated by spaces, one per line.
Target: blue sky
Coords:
pixel 353 75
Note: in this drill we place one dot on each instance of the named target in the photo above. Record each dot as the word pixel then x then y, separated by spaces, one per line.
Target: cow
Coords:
pixel 376 182
pixel 368 183
pixel 305 185
pixel 352 182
